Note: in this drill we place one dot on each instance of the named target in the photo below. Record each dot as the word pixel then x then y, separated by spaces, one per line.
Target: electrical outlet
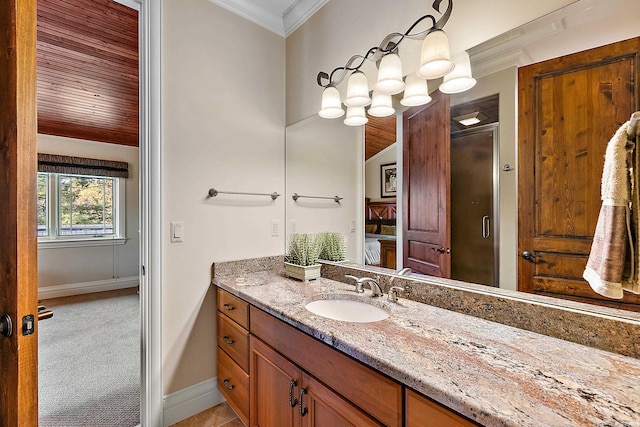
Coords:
pixel 294 225
pixel 352 225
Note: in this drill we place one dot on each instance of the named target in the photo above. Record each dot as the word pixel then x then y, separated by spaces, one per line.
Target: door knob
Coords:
pixel 528 256
pixel 6 325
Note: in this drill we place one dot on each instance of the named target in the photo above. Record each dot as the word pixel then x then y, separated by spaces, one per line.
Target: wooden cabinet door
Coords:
pixel 275 384
pixel 569 108
pixel 422 412
pixel 18 247
pixel 426 188
pixel 322 407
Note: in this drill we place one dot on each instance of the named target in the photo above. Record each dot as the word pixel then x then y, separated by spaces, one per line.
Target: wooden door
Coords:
pixel 569 108
pixel 322 407
pixel 426 183
pixel 275 384
pixel 18 247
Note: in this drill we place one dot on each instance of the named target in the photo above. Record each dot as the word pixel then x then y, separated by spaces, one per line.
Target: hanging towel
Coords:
pixel 609 270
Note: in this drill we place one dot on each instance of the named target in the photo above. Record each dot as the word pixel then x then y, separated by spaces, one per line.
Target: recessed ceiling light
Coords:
pixel 469 118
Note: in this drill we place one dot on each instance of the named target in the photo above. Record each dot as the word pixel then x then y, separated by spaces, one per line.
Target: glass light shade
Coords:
pixel 357 90
pixel 355 116
pixel 460 78
pixel 435 58
pixel 381 106
pixel 331 106
pixel 390 75
pixel 416 92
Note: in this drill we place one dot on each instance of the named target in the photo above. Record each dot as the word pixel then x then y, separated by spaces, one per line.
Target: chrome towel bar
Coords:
pixel 336 199
pixel 213 193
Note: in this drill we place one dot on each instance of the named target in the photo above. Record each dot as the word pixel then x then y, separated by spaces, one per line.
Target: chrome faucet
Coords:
pixel 404 271
pixel 393 293
pixel 373 285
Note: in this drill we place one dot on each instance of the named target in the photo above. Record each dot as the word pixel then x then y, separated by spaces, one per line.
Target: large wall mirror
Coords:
pixel 325 157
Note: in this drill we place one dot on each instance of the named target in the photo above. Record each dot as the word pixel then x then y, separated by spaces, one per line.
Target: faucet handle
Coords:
pixel 393 293
pixel 358 283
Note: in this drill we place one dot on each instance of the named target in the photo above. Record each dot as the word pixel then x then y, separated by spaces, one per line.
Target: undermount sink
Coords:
pixel 347 310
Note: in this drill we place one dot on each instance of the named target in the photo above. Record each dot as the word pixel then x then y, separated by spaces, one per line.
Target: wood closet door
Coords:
pixel 569 108
pixel 426 186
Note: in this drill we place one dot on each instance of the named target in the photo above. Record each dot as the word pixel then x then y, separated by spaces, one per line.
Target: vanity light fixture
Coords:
pixel 435 62
pixel 459 80
pixel 355 116
pixel 416 92
pixel 331 105
pixel 357 90
pixel 381 105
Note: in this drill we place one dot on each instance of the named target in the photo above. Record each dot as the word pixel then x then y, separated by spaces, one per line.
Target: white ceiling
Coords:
pixel 280 16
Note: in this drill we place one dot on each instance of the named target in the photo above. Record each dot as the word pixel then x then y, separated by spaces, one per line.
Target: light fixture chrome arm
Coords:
pixel 389 44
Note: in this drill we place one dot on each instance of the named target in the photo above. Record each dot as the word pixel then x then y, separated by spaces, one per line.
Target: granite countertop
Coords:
pixel 492 373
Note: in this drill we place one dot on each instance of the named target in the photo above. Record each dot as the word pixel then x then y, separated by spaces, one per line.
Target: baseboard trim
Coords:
pixel 189 401
pixel 67 290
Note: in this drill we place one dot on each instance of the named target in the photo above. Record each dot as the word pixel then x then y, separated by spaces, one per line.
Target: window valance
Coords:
pixel 80 166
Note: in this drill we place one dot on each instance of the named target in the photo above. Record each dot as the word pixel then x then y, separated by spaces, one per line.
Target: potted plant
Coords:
pixel 302 261
pixel 334 246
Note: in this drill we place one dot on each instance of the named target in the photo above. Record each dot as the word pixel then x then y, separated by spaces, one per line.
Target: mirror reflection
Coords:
pixel 392 220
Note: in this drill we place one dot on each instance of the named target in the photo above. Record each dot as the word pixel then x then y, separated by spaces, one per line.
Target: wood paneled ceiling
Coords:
pixel 379 133
pixel 87 67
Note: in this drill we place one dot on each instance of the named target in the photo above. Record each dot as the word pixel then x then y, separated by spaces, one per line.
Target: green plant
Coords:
pixel 304 249
pixel 334 246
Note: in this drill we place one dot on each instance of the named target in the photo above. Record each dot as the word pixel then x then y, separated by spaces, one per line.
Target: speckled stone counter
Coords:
pixel 492 373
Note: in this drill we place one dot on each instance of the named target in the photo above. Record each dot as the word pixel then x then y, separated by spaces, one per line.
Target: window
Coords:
pixel 79 208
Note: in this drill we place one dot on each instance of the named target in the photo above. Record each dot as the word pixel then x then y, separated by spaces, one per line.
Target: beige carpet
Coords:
pixel 89 364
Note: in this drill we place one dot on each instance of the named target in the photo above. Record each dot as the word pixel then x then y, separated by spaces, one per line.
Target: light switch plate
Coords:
pixel 177 232
pixel 275 228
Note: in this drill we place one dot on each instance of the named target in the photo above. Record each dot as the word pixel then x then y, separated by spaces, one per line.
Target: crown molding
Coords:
pixel 299 12
pixel 255 13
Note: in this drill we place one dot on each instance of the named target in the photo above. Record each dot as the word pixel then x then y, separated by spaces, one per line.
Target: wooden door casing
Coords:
pixel 426 187
pixel 569 108
pixel 18 250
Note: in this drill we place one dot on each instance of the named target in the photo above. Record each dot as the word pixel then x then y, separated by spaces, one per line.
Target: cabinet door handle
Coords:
pixel 292 402
pixel 229 307
pixel 301 410
pixel 227 385
pixel 486 227
pixel 227 340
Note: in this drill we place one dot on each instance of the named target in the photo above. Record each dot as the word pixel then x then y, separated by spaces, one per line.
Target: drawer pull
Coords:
pixel 301 410
pixel 292 402
pixel 228 340
pixel 227 385
pixel 229 307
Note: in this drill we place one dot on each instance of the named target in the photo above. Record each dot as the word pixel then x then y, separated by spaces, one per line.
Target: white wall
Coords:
pixel 372 175
pixel 60 267
pixel 324 158
pixel 223 127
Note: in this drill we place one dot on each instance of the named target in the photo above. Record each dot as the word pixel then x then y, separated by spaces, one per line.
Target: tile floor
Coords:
pixel 218 416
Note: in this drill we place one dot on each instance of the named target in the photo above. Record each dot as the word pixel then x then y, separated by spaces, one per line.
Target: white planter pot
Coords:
pixel 302 272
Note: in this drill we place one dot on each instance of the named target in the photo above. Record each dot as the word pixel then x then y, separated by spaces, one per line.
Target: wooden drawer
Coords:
pixel 234 340
pixel 423 412
pixel 234 307
pixel 369 390
pixel 233 383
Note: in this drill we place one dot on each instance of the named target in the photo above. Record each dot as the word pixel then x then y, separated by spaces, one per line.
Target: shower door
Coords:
pixel 473 205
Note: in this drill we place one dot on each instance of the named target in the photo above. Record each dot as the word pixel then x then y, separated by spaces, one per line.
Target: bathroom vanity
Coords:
pixel 280 364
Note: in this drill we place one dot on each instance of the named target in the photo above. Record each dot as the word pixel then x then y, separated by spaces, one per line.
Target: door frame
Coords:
pixel 151 387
